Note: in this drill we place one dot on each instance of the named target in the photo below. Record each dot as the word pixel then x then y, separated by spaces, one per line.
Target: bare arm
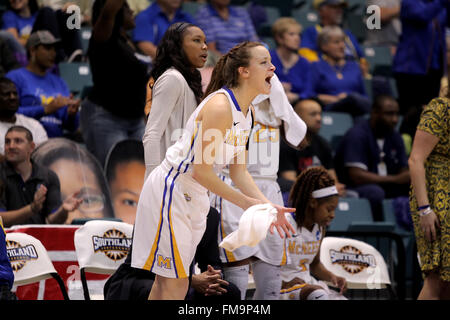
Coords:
pixel 147 48
pixel 387 14
pixel 424 143
pixel 104 26
pixel 18 216
pixel 320 272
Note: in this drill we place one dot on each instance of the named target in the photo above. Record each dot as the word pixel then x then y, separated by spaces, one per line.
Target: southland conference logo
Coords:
pixel 19 255
pixel 351 259
pixel 114 244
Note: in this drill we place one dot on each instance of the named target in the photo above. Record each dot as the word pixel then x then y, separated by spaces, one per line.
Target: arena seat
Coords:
pixel 351 211
pixel 77 75
pixel 101 247
pixel 334 126
pixel 30 261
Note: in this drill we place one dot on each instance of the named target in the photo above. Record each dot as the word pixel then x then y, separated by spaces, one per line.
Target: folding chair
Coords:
pixel 101 247
pixel 30 261
pixel 359 263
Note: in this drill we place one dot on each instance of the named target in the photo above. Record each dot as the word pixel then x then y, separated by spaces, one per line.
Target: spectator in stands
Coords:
pixel 129 283
pixel 331 13
pixel 114 109
pixel 78 172
pixel 9 104
pixel 6 272
pixel 317 153
pixel 43 95
pixel 371 157
pixel 337 82
pixel 19 19
pixel 419 63
pixel 24 18
pixel 8 60
pixel 31 192
pixel 125 171
pixel 176 89
pixel 430 197
pixel 292 69
pixel 225 26
pixel 390 25
pixel 152 23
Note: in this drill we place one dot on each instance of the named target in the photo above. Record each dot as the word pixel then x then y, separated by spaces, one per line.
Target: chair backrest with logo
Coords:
pixel 30 261
pixel 358 262
pixel 101 247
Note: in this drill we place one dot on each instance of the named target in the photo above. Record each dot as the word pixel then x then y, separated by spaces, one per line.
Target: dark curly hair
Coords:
pixel 171 54
pixel 301 193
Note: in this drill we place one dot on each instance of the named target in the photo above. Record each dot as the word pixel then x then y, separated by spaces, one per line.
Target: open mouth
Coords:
pixel 268 79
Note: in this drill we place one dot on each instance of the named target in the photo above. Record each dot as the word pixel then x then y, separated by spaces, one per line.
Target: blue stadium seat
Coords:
pixel 351 211
pixel 334 126
pixel 379 58
pixel 77 75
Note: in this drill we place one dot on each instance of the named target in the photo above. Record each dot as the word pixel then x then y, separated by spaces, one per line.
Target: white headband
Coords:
pixel 325 192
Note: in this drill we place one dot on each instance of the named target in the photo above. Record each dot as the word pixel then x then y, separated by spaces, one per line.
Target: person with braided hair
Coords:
pixel 174 89
pixel 315 198
pixel 174 202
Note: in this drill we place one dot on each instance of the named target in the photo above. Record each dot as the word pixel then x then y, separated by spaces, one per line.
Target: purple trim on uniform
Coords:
pixel 233 98
pixel 170 228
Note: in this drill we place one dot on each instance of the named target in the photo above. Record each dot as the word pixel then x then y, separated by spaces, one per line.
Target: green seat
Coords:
pixel 306 18
pixel 379 58
pixel 350 212
pixel 269 41
pixel 356 25
pixel 335 125
pixel 85 34
pixel 77 75
pixel 191 7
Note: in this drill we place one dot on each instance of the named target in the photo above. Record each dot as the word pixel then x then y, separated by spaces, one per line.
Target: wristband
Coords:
pixel 426 212
pixel 423 207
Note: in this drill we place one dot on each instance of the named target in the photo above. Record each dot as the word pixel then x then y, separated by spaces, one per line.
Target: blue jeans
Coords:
pixel 102 130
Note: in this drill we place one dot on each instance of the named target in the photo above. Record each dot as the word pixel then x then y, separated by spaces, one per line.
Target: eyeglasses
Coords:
pixel 93 201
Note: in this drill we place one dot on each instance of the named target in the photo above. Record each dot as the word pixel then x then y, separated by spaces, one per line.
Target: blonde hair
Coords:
pixel 281 25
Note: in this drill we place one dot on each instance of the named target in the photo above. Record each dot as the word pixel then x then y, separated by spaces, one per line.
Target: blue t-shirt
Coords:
pixel 325 79
pixel 298 75
pixel 359 148
pixel 152 23
pixel 34 91
pixel 6 273
pixel 352 48
pixel 226 33
pixel 23 25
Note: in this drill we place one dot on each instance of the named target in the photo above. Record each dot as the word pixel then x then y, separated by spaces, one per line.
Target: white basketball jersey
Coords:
pixel 301 251
pixel 188 148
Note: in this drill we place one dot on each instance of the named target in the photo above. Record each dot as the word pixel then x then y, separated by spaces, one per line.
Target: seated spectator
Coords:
pixel 43 95
pixel 6 271
pixel 390 25
pixel 31 193
pixel 292 69
pixel 78 172
pixel 152 23
pixel 9 104
pixel 317 153
pixel 125 172
pixel 129 283
pixel 24 17
pixel 331 14
pixel 114 109
pixel 8 60
pixel 225 26
pixel 338 83
pixel 19 19
pixel 371 157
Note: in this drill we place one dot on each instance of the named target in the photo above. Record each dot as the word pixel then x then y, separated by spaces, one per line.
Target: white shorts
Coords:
pixel 170 222
pixel 271 249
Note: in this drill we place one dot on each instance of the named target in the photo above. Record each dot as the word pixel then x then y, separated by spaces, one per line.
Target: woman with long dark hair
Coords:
pixel 175 88
pixel 114 109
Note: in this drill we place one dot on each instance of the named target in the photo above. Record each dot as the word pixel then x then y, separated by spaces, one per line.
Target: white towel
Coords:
pixel 253 227
pixel 294 126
